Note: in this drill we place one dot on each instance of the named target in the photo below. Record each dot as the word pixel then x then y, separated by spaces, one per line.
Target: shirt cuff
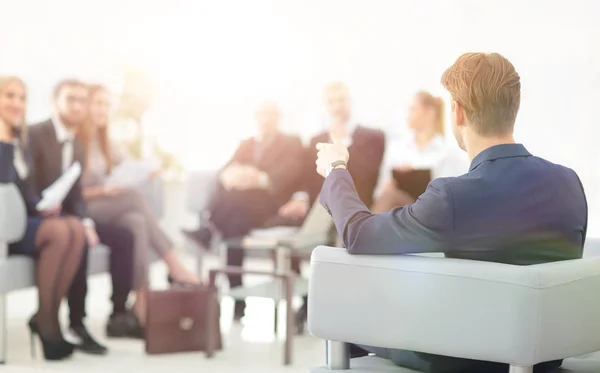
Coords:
pixel 300 196
pixel 88 223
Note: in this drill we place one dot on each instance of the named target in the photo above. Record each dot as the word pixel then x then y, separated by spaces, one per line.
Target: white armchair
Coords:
pixel 13 217
pixel 519 315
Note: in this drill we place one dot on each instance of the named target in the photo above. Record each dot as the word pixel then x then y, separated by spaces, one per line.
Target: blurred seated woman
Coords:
pixel 123 206
pixel 426 149
pixel 56 242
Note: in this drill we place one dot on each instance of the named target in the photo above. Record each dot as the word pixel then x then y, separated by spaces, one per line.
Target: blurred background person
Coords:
pixel 123 207
pixel 426 148
pixel 54 148
pixel 365 145
pixel 260 177
pixel 56 242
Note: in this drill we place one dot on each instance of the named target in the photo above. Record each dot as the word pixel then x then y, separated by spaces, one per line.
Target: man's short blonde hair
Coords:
pixel 489 90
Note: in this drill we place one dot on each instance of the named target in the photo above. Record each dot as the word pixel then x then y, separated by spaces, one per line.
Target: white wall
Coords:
pixel 214 59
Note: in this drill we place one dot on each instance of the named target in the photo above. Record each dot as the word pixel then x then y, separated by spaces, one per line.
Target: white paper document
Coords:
pixel 131 173
pixel 56 193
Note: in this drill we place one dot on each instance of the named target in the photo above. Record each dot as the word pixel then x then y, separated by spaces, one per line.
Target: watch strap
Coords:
pixel 338 163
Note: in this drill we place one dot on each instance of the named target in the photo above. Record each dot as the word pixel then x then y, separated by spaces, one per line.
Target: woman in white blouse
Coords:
pixel 425 149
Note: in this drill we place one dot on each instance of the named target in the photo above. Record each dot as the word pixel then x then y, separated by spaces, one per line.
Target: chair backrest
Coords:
pixel 316 228
pixel 591 247
pixel 200 186
pixel 13 216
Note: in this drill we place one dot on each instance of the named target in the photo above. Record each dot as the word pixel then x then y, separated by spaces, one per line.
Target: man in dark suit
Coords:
pixel 367 147
pixel 367 144
pixel 53 149
pixel 260 177
pixel 511 207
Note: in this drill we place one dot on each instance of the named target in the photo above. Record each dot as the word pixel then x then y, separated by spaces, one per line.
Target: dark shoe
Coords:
pixel 86 342
pixel 239 310
pixel 301 317
pixel 58 349
pixel 356 351
pixel 201 236
pixel 124 325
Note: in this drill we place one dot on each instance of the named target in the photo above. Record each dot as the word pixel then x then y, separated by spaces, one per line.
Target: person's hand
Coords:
pixel 240 177
pixel 229 176
pixel 403 168
pixel 295 209
pixel 247 178
pixel 54 211
pixel 329 153
pixel 91 236
pixel 112 190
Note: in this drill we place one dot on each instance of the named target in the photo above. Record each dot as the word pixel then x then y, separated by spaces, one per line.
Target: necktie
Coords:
pixel 67 154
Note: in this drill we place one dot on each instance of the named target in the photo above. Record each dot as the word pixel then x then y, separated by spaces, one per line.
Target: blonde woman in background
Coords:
pixel 426 149
pixel 55 242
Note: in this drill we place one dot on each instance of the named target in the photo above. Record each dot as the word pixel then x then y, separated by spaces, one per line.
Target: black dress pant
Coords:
pixel 429 363
pixel 120 242
pixel 235 214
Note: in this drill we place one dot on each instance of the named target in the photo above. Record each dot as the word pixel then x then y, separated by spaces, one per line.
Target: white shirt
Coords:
pixel 64 137
pixel 436 156
pixel 350 125
pixel 19 160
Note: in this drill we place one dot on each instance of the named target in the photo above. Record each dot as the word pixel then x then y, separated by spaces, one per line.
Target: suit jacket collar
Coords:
pixel 62 133
pixel 498 152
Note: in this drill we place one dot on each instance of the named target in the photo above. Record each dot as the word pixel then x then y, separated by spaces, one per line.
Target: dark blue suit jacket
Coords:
pixel 511 207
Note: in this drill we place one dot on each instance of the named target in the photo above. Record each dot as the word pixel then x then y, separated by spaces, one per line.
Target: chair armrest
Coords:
pixel 200 186
pixel 13 216
pixel 477 310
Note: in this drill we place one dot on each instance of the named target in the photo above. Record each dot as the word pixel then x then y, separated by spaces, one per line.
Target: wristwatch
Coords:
pixel 333 165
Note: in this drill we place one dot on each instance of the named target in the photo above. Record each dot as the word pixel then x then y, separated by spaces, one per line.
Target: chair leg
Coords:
pixel 3 330
pixel 276 318
pixel 338 356
pixel 517 369
pixel 289 325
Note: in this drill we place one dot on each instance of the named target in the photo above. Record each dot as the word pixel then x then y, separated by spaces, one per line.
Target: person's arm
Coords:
pixel 6 162
pixel 8 175
pixel 92 192
pixel 118 153
pixel 425 226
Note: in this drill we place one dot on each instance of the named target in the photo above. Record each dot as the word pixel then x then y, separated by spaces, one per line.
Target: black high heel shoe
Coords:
pixel 53 349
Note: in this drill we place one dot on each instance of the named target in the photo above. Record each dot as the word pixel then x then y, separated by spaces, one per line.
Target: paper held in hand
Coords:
pixel 131 173
pixel 56 193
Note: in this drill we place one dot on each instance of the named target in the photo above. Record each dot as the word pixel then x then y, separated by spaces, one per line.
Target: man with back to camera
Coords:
pixel 511 207
pixel 53 149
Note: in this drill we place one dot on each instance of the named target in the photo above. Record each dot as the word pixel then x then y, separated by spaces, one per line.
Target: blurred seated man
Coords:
pixel 252 187
pixel 363 141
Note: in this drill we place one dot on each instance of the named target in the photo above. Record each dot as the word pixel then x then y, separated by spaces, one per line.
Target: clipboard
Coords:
pixel 413 182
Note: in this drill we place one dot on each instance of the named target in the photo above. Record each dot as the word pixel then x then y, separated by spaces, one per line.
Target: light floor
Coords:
pixel 250 347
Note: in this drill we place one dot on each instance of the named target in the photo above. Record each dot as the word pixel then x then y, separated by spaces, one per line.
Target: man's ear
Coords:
pixel 458 113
